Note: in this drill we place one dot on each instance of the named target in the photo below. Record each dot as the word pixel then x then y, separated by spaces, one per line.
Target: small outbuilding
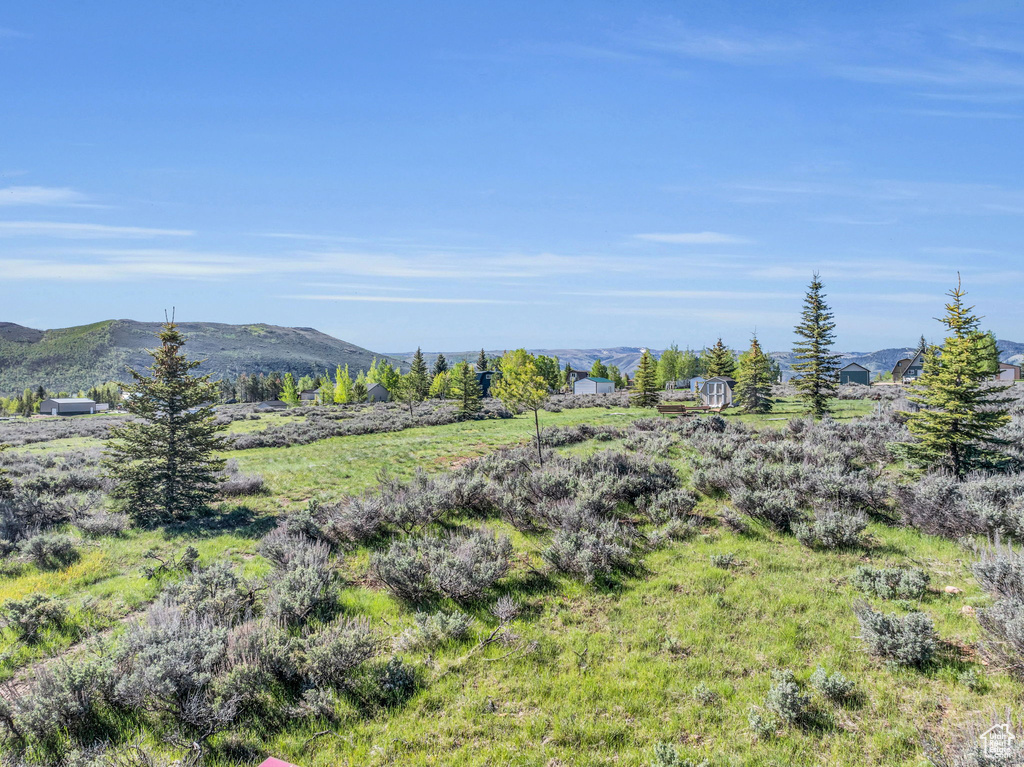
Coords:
pixel 855 374
pixel 717 392
pixel 274 404
pixel 377 393
pixel 1008 372
pixel 593 385
pixel 309 395
pixel 68 406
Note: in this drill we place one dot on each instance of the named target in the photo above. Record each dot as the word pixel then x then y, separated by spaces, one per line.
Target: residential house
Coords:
pixel 309 396
pixel 593 385
pixel 377 393
pixel 274 404
pixel 855 374
pixel 69 406
pixel 484 378
pixel 908 370
pixel 572 376
pixel 717 392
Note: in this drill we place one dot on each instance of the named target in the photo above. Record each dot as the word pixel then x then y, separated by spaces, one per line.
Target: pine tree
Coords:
pixel 961 411
pixel 440 366
pixel 754 380
pixel 988 354
pixel 721 361
pixel 645 384
pixel 290 392
pixel 522 387
pixel 481 361
pixel 164 464
pixel 817 366
pixel 418 377
pixel 465 388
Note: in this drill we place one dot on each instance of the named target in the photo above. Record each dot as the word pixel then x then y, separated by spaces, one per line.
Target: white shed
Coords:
pixel 592 385
pixel 717 392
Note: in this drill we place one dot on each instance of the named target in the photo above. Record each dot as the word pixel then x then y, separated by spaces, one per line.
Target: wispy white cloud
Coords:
pixel 694 238
pixel 84 231
pixel 401 299
pixel 670 36
pixel 41 195
pixel 717 295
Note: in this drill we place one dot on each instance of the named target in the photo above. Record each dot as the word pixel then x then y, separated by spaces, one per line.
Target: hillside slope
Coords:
pixel 70 359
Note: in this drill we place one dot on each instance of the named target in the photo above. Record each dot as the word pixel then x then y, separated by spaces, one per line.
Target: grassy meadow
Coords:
pixel 676 652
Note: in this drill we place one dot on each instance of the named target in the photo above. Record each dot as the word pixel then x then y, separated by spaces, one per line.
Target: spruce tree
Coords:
pixel 465 388
pixel 418 378
pixel 481 361
pixel 522 387
pixel 440 366
pixel 645 384
pixel 961 410
pixel 817 366
pixel 754 380
pixel 721 361
pixel 163 463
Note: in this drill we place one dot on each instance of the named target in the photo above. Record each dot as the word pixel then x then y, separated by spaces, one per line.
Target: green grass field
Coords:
pixel 601 673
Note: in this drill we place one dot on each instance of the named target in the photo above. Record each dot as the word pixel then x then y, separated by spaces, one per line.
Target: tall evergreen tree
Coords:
pixel 988 354
pixel 961 409
pixel 522 387
pixel 465 388
pixel 418 377
pixel 721 361
pixel 645 383
pixel 290 392
pixel 440 366
pixel 817 365
pixel 598 369
pixel 164 464
pixel 754 380
pixel 481 361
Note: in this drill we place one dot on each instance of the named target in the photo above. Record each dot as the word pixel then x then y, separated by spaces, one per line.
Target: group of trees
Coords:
pixel 28 401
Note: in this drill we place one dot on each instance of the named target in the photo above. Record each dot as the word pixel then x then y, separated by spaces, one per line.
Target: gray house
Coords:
pixel 274 404
pixel 377 393
pixel 717 392
pixel 68 406
pixel 309 395
pixel 855 374
pixel 593 385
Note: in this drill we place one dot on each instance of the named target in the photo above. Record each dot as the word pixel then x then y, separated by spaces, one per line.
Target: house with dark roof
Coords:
pixel 68 406
pixel 908 370
pixel 855 374
pixel 484 378
pixel 309 395
pixel 572 376
pixel 593 385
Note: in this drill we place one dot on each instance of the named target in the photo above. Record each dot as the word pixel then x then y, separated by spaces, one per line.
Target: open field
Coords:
pixel 676 650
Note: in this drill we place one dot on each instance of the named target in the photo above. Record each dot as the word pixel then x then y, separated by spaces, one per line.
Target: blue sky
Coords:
pixel 556 174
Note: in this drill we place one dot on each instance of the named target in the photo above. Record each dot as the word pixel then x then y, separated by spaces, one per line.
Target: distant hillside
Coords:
pixel 70 359
pixel 626 358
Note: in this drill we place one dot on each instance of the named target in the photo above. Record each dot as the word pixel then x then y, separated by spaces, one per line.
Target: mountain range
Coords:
pixel 77 358
pixel 627 358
